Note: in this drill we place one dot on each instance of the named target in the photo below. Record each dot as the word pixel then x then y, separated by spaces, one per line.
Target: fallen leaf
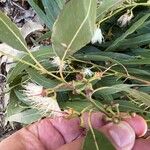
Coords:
pixel 30 27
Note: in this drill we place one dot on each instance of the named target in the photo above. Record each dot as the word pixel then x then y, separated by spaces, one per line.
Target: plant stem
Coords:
pixel 43 70
pixel 92 131
pixel 96 105
pixel 114 71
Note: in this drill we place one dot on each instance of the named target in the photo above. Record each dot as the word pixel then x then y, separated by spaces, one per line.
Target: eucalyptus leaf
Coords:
pixel 101 139
pixel 41 79
pixel 140 96
pixel 47 20
pixel 14 105
pixel 77 105
pixel 43 53
pixel 128 106
pixel 142 52
pixel 22 98
pixel 26 117
pixel 10 34
pixel 44 36
pixel 132 29
pixel 106 6
pixel 114 89
pixel 51 8
pixel 140 61
pixel 67 38
pixel 60 3
pixel 136 41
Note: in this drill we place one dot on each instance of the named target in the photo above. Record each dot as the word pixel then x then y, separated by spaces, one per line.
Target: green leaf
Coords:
pixel 14 105
pixel 21 97
pixel 41 14
pixel 77 105
pixel 139 71
pixel 140 96
pixel 44 36
pixel 93 57
pixel 127 106
pixel 132 29
pixel 67 38
pixel 114 89
pixel 51 8
pixel 41 79
pixel 60 3
pixel 142 52
pixel 10 34
pixel 104 56
pixel 106 6
pixel 43 53
pixel 102 141
pixel 136 41
pixel 141 61
pixel 26 117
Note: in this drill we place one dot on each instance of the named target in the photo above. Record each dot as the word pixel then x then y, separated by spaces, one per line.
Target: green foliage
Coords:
pixel 102 142
pixel 69 38
pixel 80 75
pixel 132 29
pixel 41 54
pixel 10 31
pixel 49 10
pixel 107 6
pixel 26 117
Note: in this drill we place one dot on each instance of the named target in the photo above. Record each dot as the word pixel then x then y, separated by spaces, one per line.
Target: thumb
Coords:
pixel 121 135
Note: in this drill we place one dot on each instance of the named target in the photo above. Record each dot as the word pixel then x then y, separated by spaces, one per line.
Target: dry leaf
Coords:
pixel 30 27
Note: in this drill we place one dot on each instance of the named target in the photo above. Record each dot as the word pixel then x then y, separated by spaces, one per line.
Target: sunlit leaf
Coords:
pixel 26 117
pixel 41 54
pixel 67 37
pixel 102 141
pixel 10 34
pixel 41 79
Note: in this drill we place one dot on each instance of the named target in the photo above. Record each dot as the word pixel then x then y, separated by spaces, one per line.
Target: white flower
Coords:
pixel 87 72
pixel 98 36
pixel 45 105
pixel 56 62
pixel 125 19
pixel 35 95
pixel 32 89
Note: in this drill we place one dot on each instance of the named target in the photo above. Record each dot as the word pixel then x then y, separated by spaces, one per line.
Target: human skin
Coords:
pixel 65 134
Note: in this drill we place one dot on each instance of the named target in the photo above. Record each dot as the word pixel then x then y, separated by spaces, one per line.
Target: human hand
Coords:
pixel 65 134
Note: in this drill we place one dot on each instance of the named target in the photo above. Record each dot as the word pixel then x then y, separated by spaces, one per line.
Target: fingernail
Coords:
pixel 138 124
pixel 121 134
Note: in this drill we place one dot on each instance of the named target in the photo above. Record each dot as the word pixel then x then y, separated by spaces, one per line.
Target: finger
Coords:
pixel 21 140
pixel 138 124
pixel 70 129
pixel 96 120
pixel 121 135
pixel 142 144
pixel 75 145
pixel 47 134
